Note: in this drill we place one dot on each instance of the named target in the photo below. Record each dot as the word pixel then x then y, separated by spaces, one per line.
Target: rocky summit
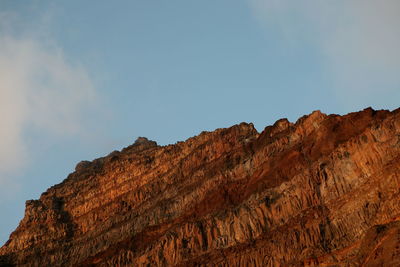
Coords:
pixel 323 191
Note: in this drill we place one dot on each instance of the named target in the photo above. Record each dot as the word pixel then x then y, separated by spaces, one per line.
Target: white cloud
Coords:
pixel 39 89
pixel 358 39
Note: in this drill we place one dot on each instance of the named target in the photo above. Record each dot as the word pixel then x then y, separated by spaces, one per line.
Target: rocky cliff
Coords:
pixel 323 191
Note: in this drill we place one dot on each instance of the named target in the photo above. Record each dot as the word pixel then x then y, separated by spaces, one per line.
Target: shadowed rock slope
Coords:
pixel 323 191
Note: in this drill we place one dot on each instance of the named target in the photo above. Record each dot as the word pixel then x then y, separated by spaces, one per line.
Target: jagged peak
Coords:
pixel 144 141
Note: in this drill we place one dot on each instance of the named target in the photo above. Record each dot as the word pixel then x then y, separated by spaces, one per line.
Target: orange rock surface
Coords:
pixel 324 191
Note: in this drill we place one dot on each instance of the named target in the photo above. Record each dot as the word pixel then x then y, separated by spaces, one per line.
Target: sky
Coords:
pixel 79 79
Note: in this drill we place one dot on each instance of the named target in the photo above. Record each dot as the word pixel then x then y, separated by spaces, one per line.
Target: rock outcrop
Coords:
pixel 324 191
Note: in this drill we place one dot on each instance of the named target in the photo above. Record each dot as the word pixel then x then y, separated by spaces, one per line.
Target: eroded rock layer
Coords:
pixel 323 191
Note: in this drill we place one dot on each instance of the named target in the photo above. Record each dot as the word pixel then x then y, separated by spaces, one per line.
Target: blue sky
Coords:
pixel 79 79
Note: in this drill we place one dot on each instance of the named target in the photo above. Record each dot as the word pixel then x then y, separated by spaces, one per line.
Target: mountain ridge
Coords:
pixel 323 191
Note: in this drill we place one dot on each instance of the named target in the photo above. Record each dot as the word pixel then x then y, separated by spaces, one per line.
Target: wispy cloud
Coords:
pixel 39 89
pixel 359 41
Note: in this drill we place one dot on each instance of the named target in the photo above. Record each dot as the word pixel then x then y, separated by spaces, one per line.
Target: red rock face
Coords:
pixel 323 191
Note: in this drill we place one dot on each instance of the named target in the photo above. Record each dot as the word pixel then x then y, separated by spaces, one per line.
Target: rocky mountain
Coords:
pixel 324 191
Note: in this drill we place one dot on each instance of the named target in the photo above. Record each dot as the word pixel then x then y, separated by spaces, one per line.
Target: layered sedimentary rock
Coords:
pixel 323 191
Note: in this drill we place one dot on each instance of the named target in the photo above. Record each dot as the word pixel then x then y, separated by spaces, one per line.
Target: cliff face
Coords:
pixel 323 191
